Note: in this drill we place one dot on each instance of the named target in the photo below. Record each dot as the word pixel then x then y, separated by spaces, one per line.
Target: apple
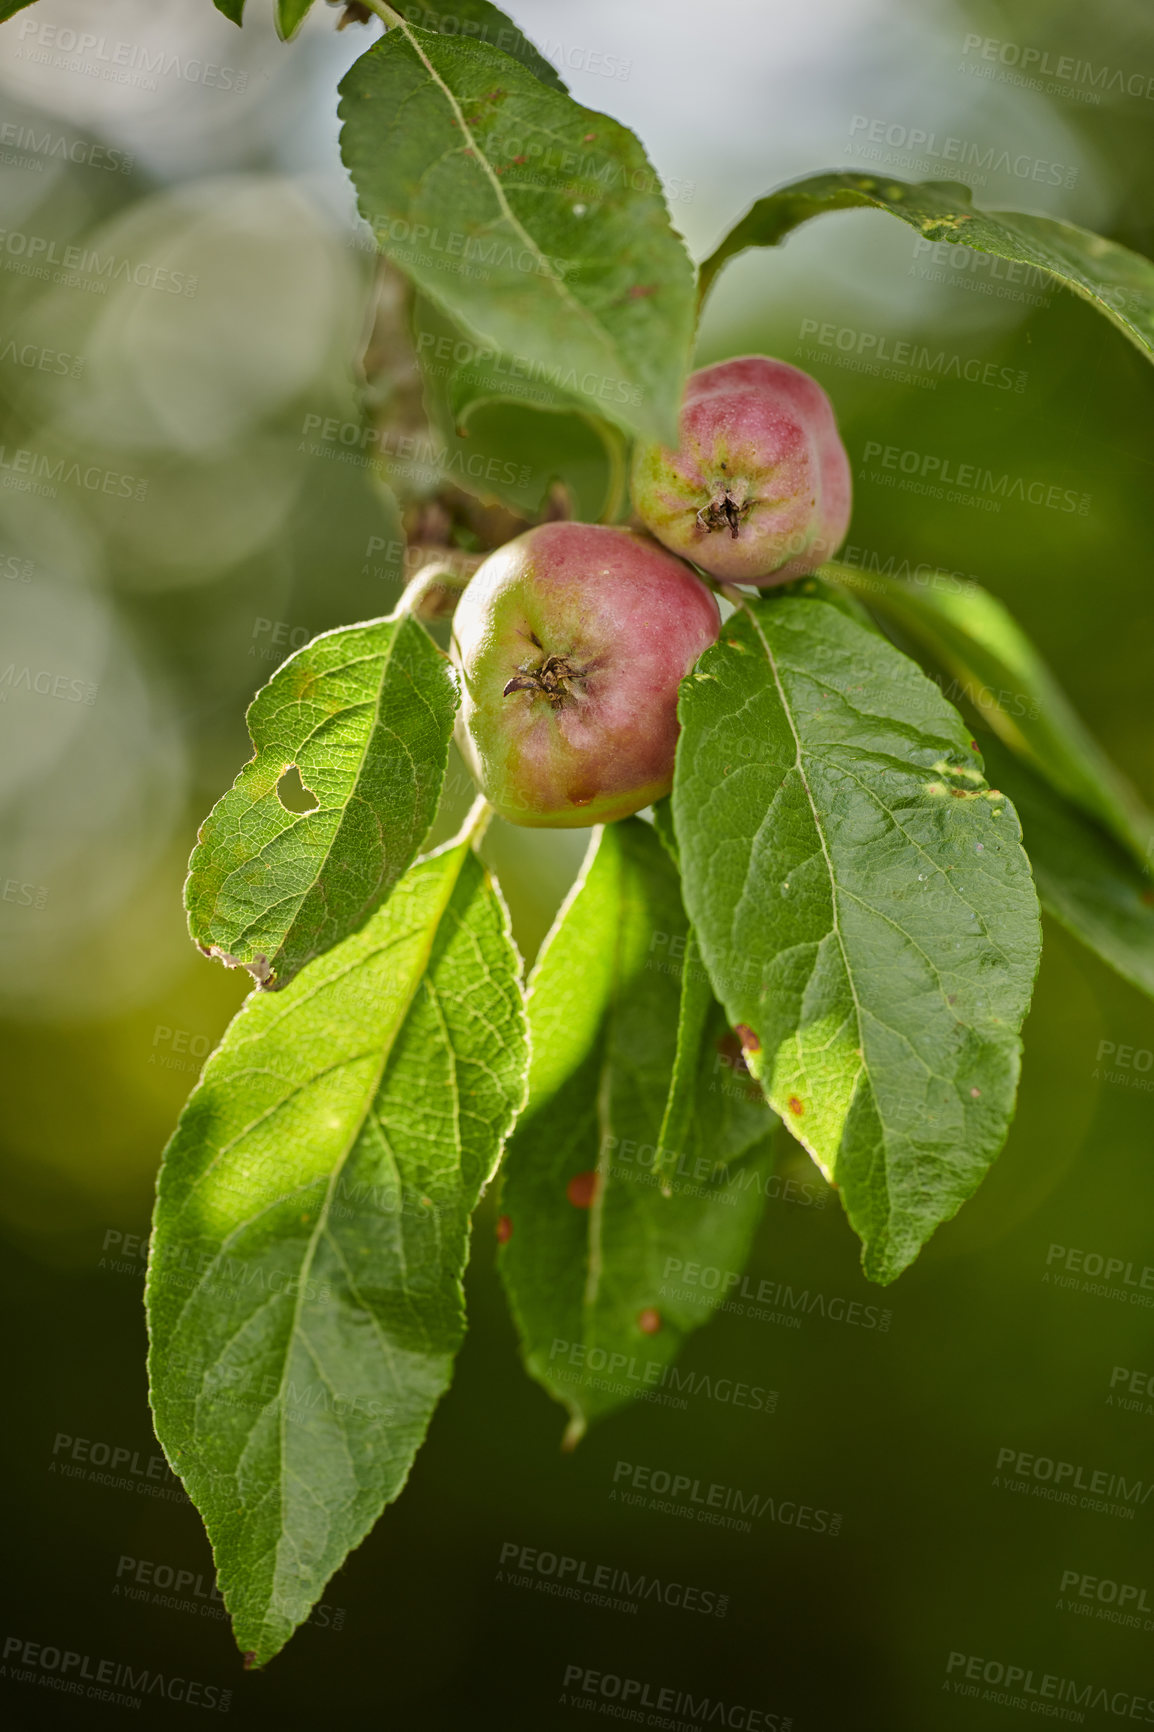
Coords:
pixel 571 641
pixel 759 488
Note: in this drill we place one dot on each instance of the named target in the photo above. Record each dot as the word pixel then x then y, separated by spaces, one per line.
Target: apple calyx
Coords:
pixel 551 679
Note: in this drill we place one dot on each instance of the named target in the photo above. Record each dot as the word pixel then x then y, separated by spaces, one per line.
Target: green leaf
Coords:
pixel 585 1278
pixel 996 669
pixel 9 8
pixel 528 449
pixel 663 824
pixel 536 224
pixel 1112 278
pixel 311 1231
pixel 694 1013
pixel 290 15
pixel 474 20
pixel 864 907
pixel 365 715
pixel 232 9
pixel 1085 880
pixel 498 445
pixel 701 1026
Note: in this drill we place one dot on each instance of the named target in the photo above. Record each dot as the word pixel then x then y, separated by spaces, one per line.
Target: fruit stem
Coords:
pixel 436 587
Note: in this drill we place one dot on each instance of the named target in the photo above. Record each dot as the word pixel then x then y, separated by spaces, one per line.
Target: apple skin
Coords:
pixel 595 627
pixel 759 489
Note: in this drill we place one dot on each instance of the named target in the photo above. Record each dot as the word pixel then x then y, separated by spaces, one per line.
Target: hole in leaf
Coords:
pixel 292 793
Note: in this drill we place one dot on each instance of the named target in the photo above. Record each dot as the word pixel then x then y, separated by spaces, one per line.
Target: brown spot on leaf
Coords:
pixel 582 1189
pixel 504 1230
pixel 747 1037
pixel 640 290
pixel 649 1321
pixel 796 1106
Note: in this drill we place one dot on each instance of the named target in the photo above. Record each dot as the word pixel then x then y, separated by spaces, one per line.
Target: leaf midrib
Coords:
pixel 799 766
pixel 558 284
pixel 433 929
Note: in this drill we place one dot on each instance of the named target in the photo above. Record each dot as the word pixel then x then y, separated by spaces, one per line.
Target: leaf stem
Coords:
pixel 384 12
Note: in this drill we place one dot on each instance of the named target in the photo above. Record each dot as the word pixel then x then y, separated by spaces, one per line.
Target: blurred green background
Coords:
pixel 146 616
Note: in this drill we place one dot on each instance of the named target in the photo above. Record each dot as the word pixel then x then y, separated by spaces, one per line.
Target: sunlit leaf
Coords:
pixel 280 873
pixel 311 1231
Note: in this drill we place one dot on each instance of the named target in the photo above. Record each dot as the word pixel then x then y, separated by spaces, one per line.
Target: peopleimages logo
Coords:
pixel 652 1374
pixel 1019 1689
pixel 489 254
pixel 883 356
pixel 116 1466
pixel 916 141
pixel 406 453
pixel 1104 1270
pixel 966 483
pixel 148 1583
pixel 29 471
pixel 606 1585
pixel 489 366
pixel 119 62
pixel 105 1678
pixel 1023 64
pixel 719 1505
pixel 1062 1482
pixel 633 1694
pixel 985 273
pixel 1104 1591
pixel 42 360
pixel 45 684
pixel 748 1296
pixel 37 252
pixel 28 142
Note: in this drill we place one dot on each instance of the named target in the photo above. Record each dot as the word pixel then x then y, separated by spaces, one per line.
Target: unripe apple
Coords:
pixel 758 490
pixel 571 641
